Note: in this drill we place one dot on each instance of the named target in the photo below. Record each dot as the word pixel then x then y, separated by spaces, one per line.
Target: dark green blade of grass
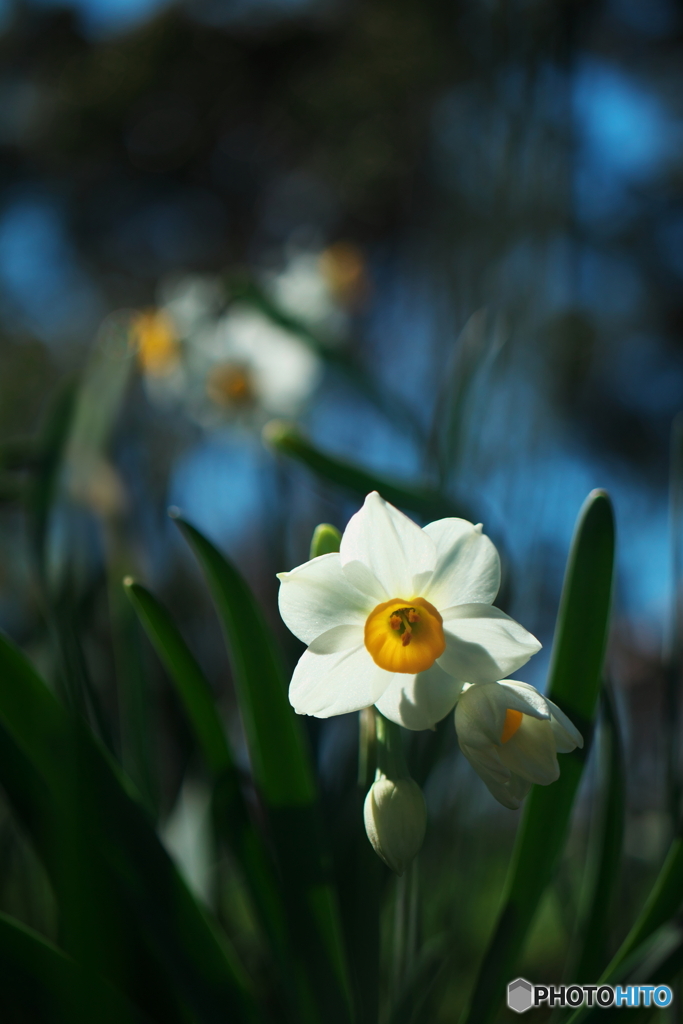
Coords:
pixel 39 773
pixel 430 504
pixel 38 980
pixel 37 807
pixel 284 778
pixel 50 448
pixel 136 699
pixel 578 652
pixel 121 877
pixel 603 871
pixel 640 967
pixel 18 453
pixel 673 697
pixel 663 902
pixel 190 682
pixel 230 811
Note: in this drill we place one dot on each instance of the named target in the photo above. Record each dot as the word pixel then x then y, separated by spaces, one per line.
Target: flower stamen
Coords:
pixel 416 624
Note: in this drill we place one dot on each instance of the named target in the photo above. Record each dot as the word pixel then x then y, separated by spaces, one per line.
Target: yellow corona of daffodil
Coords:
pixel 400 617
pixel 511 735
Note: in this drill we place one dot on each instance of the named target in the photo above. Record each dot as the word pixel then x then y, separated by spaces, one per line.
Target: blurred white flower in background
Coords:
pixel 216 364
pixel 249 360
pixel 192 301
pixel 322 287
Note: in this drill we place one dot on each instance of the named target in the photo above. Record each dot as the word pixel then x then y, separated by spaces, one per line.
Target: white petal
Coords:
pixel 483 644
pixel 531 752
pixel 420 701
pixel 508 789
pixel 567 736
pixel 316 596
pixel 481 710
pixel 333 684
pixel 339 638
pixel 363 579
pixel 525 698
pixel 391 546
pixel 467 565
pixel 511 793
pixel 486 762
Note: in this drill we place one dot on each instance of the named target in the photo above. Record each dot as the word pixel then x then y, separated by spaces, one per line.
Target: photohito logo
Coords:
pixel 522 995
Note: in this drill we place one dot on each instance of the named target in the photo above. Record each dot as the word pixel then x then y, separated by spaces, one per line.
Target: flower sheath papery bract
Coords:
pixel 511 735
pixel 401 617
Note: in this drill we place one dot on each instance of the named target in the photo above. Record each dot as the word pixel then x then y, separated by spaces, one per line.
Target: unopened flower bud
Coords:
pixel 395 820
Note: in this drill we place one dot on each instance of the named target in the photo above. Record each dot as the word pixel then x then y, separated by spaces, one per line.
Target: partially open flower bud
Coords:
pixel 395 820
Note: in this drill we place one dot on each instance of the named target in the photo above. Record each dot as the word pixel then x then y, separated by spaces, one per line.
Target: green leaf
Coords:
pixel 602 872
pixel 284 778
pixel 663 902
pixel 231 816
pixel 673 701
pixel 185 672
pixel 576 666
pixel 49 454
pixel 117 889
pixel 280 760
pixel 286 437
pixel 38 981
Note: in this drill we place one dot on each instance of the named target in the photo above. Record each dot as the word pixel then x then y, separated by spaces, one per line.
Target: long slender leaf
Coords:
pixel 185 672
pixel 284 778
pixel 287 438
pixel 40 983
pixel 657 960
pixel 136 705
pixel 603 873
pixel 120 870
pixel 664 901
pixel 49 453
pixel 231 815
pixel 673 698
pixel 577 658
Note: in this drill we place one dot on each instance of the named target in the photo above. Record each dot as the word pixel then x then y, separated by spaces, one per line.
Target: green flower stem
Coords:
pixel 367 747
pixel 391 760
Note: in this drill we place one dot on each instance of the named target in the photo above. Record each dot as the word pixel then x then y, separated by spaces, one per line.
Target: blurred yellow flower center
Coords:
pixel 343 267
pixel 158 349
pixel 513 720
pixel 230 384
pixel 405 635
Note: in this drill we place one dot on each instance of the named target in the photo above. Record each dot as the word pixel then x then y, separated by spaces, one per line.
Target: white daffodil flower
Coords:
pixel 511 735
pixel 400 617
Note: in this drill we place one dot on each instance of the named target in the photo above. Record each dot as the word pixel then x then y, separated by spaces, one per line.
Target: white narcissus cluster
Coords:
pixel 403 618
pixel 400 617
